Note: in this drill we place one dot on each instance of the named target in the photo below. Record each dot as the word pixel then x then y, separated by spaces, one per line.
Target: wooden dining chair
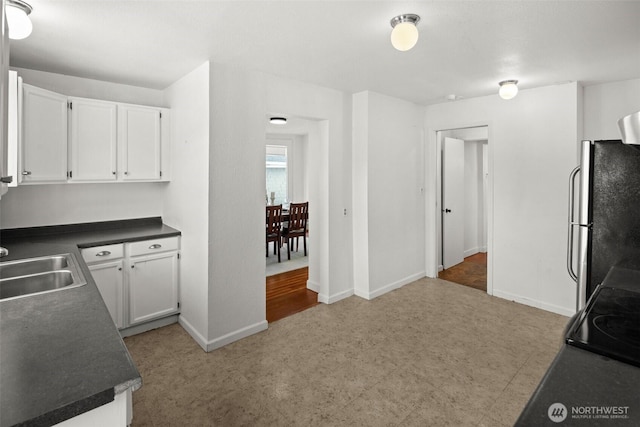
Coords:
pixel 296 226
pixel 274 225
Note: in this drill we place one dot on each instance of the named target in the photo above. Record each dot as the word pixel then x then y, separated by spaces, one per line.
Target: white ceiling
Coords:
pixel 465 47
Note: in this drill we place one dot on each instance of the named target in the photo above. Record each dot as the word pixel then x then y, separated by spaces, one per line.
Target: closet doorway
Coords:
pixel 463 198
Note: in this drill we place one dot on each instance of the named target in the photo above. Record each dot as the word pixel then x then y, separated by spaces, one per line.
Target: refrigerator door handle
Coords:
pixel 572 188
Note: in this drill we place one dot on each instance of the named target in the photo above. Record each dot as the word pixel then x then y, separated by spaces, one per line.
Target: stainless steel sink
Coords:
pixel 33 266
pixel 33 276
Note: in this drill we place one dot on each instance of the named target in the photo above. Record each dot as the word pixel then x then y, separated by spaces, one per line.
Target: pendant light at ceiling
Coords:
pixel 20 25
pixel 508 89
pixel 278 120
pixel 404 35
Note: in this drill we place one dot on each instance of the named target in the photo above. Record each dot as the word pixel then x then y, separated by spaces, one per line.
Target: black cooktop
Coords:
pixel 610 323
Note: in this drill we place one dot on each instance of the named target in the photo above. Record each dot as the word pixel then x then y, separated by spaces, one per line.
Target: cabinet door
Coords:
pixel 153 286
pixel 92 138
pixel 44 136
pixel 140 133
pixel 109 279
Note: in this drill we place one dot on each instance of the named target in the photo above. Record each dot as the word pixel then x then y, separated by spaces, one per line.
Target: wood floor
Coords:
pixel 287 294
pixel 471 272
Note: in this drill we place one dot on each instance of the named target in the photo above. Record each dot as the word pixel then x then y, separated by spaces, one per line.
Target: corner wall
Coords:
pixel 388 176
pixel 237 294
pixel 186 199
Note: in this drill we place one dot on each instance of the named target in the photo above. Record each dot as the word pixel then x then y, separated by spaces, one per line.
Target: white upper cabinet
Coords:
pixel 44 136
pixel 140 142
pixel 70 139
pixel 92 140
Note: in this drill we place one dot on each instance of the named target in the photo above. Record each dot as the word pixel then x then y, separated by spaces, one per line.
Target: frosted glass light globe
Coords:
pixel 404 36
pixel 19 23
pixel 508 89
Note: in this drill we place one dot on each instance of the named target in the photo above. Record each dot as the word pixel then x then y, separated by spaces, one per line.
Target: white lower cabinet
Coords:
pixel 138 281
pixel 109 278
pixel 153 290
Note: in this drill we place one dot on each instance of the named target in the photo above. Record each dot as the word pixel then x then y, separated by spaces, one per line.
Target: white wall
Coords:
pixel 52 204
pixel 388 172
pixel 605 103
pixel 532 149
pixel 186 199
pixel 237 301
pixel 473 198
pixel 88 88
pixel 360 180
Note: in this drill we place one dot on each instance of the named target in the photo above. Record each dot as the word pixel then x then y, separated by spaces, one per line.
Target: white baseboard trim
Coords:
pixel 197 337
pixel 390 287
pixel 440 268
pixel 313 286
pixel 470 252
pixel 330 299
pixel 237 335
pixel 534 303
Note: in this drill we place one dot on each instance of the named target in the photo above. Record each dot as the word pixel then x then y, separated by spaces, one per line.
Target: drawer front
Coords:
pixel 102 253
pixel 147 247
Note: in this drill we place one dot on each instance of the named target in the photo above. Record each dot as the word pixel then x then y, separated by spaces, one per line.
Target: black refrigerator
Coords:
pixel 608 214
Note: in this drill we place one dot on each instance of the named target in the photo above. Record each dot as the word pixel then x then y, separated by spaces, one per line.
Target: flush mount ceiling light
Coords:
pixel 404 35
pixel 278 120
pixel 18 20
pixel 508 89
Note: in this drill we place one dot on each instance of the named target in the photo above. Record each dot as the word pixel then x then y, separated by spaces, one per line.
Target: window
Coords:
pixel 277 182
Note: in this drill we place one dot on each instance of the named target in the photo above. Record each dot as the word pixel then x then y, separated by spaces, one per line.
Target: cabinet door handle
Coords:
pixel 155 246
pixel 103 253
pixel 26 172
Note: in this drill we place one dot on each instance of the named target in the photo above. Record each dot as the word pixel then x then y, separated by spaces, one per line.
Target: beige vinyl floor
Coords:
pixel 432 353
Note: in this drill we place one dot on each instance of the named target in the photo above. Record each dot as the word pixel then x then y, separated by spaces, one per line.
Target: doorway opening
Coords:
pixel 463 220
pixel 287 182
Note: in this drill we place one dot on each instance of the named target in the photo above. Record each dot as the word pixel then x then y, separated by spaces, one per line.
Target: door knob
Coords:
pixel 447 210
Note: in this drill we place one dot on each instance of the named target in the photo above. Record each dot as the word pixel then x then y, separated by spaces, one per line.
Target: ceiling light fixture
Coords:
pixel 278 120
pixel 508 89
pixel 404 35
pixel 18 19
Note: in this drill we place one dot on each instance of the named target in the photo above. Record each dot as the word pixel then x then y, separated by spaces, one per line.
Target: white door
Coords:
pixel 153 286
pixel 93 140
pixel 140 127
pixel 44 141
pixel 452 202
pixel 109 280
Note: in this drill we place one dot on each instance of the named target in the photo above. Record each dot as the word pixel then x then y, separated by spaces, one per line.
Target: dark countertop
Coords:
pixel 588 385
pixel 60 352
